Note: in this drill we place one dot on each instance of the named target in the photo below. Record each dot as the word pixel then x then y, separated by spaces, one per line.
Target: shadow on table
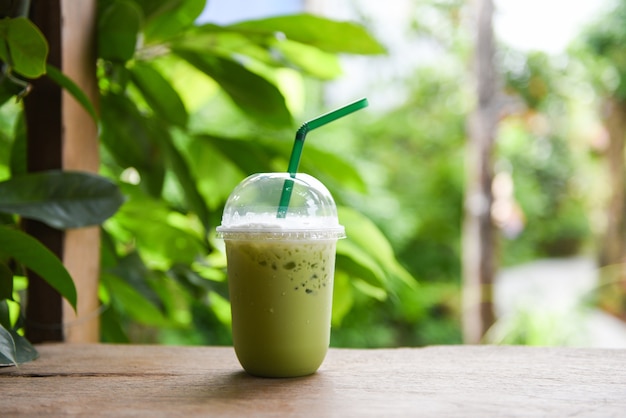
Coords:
pixel 266 394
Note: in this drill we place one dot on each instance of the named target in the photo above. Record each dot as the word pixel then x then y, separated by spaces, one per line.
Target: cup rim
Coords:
pixel 276 234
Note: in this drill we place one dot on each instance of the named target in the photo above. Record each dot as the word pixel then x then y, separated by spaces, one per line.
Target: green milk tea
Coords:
pixel 281 301
pixel 281 262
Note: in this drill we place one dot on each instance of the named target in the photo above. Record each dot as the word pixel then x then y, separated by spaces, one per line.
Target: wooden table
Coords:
pixel 467 381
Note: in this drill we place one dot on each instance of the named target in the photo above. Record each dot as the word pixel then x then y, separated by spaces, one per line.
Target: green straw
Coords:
pixel 296 152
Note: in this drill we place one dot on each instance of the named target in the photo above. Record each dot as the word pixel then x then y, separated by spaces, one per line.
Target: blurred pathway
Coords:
pixel 553 294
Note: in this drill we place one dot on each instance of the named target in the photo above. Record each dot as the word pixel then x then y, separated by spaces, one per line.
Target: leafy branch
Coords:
pixel 59 199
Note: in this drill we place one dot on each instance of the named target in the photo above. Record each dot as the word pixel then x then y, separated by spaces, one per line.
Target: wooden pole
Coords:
pixel 612 249
pixel 44 144
pixel 61 135
pixel 81 251
pixel 478 229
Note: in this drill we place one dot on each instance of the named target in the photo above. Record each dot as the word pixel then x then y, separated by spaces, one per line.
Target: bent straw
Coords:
pixel 296 152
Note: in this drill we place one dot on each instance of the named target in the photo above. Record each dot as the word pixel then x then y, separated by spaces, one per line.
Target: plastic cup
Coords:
pixel 280 273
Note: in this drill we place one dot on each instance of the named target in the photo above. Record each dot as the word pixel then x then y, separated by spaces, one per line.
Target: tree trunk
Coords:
pixel 478 229
pixel 612 294
pixel 612 251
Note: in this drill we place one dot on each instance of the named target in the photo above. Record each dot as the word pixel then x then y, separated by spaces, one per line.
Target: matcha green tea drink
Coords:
pixel 280 273
pixel 282 297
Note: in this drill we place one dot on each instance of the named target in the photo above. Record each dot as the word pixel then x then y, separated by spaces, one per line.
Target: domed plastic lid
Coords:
pixel 251 211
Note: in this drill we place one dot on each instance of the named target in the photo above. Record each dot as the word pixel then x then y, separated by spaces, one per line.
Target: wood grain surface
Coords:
pixel 80 152
pixel 469 381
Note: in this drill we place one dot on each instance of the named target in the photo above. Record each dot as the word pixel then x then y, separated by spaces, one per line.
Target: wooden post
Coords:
pixel 612 253
pixel 478 229
pixel 81 251
pixel 61 135
pixel 612 245
pixel 43 120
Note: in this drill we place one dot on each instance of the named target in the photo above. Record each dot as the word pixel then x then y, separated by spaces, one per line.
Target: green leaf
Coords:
pixel 71 87
pixel 270 50
pixel 118 31
pixel 190 280
pixel 259 155
pixel 19 147
pixel 159 94
pixel 366 234
pixel 7 348
pixel 6 282
pixel 24 351
pixel 23 47
pixel 215 175
pixel 309 59
pixel 358 263
pixel 5 316
pixel 130 139
pixel 35 256
pixel 61 199
pixel 171 19
pixel 325 34
pixel 134 304
pixel 343 299
pixel 252 93
pixel 146 220
pixel 111 326
pixel 133 271
pixel 367 252
pixel 8 90
pixel 216 40
pixel 249 156
pixel 332 169
pixel 154 8
pixel 185 178
pixel 363 233
pixel 366 288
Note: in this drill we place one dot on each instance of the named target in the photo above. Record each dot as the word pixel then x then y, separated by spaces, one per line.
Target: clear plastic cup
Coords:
pixel 280 273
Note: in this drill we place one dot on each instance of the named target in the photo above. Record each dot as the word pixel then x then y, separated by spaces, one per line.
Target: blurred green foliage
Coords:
pixel 188 111
pixel 178 156
pixel 59 199
pixel 412 157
